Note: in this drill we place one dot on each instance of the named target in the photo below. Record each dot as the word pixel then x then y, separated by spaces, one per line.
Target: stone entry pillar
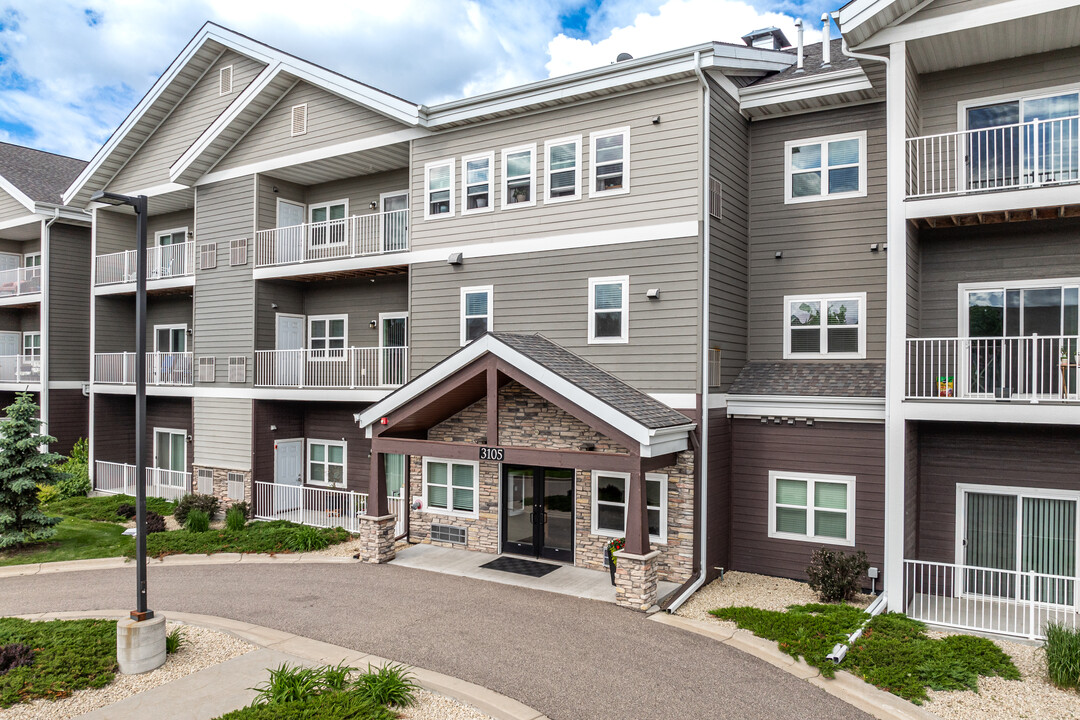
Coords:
pixel 377 538
pixel 635 580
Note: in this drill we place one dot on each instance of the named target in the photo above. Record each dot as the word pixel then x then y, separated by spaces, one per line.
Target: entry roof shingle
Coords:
pixel 812 63
pixel 827 379
pixel 42 176
pixel 602 385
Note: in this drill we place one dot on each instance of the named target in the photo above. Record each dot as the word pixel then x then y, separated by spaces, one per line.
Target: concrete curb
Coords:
pixel 845 686
pixel 487 701
pixel 170 561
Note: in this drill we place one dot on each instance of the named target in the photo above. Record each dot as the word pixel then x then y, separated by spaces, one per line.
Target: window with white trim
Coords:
pixel 32 260
pixel 842 334
pixel 609 317
pixel 562 169
pixel 450 486
pixel 326 463
pixel 32 344
pixel 519 176
pixel 476 312
pixel 439 189
pixel 812 507
pixel 610 492
pixel 609 159
pixel 326 336
pixel 477 172
pixel 825 168
pixel 328 222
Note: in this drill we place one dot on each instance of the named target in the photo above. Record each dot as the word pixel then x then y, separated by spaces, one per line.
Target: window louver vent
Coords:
pixel 238 252
pixel 237 368
pixel 207 369
pixel 299 119
pixel 225 80
pixel 448 534
pixel 208 256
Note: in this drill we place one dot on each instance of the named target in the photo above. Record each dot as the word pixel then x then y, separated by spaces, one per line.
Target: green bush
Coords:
pixel 197 521
pixel 235 519
pixel 154 523
pixel 75 480
pixel 106 508
pixel 243 507
pixel 333 706
pixel 835 575
pixel 47 494
pixel 176 639
pixel 126 511
pixel 294 683
pixel 1062 647
pixel 307 538
pixel 390 685
pixel 260 537
pixel 69 655
pixel 207 503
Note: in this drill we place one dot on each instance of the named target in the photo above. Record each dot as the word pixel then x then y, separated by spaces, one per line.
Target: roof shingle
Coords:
pixel 42 176
pixel 812 63
pixel 820 379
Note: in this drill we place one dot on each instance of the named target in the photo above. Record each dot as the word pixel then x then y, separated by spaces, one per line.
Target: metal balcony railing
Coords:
pixel 334 368
pixel 162 262
pixel 356 236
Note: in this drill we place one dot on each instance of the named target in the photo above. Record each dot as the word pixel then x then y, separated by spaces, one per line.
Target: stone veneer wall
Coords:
pixel 221 484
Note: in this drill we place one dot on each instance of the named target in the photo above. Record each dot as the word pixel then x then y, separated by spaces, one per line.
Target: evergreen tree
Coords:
pixel 23 466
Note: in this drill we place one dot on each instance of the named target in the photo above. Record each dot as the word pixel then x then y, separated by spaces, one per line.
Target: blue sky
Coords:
pixel 71 71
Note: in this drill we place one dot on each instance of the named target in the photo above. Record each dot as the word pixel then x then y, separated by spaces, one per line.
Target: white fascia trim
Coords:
pixel 47 211
pixel 20 221
pixel 718 400
pixel 129 288
pixel 857 12
pixel 21 299
pixel 246 393
pixel 988 202
pixel 990 411
pixel 163 189
pixel 67 384
pixel 839 83
pixel 643 233
pixel 16 193
pixel 808 406
pixel 677 401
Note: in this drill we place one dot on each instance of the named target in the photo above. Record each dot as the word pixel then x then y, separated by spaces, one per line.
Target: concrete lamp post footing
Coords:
pixel 140 646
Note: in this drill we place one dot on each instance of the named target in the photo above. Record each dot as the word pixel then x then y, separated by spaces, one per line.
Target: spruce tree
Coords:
pixel 23 466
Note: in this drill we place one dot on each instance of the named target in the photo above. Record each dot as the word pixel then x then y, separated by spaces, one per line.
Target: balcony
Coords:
pixel 356 237
pixel 345 368
pixel 20 369
pixel 119 479
pixel 163 262
pixel 163 369
pixel 19 282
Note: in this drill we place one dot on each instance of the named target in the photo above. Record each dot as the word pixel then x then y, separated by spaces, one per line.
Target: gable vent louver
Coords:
pixel 299 119
pixel 225 80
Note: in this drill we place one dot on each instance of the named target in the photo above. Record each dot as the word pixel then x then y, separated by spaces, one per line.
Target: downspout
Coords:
pixel 697 579
pixel 43 321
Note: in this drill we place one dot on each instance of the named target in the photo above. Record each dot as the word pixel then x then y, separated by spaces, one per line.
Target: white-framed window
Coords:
pixel 519 176
pixel 477 174
pixel 170 449
pixel 439 189
pixel 171 237
pixel 609 316
pixel 327 336
pixel 32 260
pixel 562 169
pixel 609 159
pixel 326 463
pixel 298 120
pixel 476 312
pixel 450 486
pixel 610 492
pixel 832 326
pixel 32 344
pixel 812 507
pixel 328 222
pixel 170 338
pixel 825 168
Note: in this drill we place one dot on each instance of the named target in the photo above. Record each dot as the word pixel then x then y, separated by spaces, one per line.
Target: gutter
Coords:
pixel 840 650
pixel 43 321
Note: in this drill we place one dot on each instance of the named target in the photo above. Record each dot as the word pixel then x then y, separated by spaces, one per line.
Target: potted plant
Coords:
pixel 613 547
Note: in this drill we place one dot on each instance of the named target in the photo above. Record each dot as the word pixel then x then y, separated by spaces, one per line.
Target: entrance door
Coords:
pixel 395 230
pixel 289 358
pixel 289 240
pixel 538 512
pixel 288 476
pixel 393 339
pixel 9 351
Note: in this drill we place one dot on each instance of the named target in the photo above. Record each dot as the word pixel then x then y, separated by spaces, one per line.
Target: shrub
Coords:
pixel 197 521
pixel 207 503
pixel 75 480
pixel 175 640
pixel 390 685
pixel 293 683
pixel 106 508
pixel 154 523
pixel 243 507
pixel 47 494
pixel 23 467
pixel 834 576
pixel 235 519
pixel 323 707
pixel 307 538
pixel 70 655
pixel 126 511
pixel 15 655
pixel 1062 647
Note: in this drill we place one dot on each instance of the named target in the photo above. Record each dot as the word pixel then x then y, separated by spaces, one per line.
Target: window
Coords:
pixel 823 168
pixel 519 176
pixel 170 237
pixel 327 223
pixel 170 452
pixel 562 169
pixel 610 162
pixel 32 260
pixel 476 313
pixel 298 120
pixel 450 487
pixel 609 504
pixel 609 320
pixel 32 344
pixel 326 463
pixel 842 335
pixel 225 80
pixel 476 176
pixel 818 508
pixel 439 189
pixel 170 338
pixel 326 336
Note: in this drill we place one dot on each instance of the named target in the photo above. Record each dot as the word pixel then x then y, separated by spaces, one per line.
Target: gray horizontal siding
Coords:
pixel 359 191
pixel 664 168
pixel 114 324
pixel 114 231
pixel 169 221
pixel 10 208
pixel 69 302
pixel 222 437
pixel 548 293
pixel 825 244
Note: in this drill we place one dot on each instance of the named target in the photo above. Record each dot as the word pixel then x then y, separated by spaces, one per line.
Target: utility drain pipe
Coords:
pixel 839 651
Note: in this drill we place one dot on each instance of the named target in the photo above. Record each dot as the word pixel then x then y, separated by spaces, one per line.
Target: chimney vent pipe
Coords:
pixel 799 29
pixel 826 39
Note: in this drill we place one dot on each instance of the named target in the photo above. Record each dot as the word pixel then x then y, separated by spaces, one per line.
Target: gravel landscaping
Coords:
pixel 439 707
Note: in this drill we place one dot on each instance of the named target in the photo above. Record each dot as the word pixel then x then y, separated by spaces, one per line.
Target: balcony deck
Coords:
pixel 167 267
pixel 359 242
pixel 162 368
pixel 345 368
pixel 20 287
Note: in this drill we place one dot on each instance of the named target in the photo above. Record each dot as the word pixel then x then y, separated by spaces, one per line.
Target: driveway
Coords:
pixel 569 658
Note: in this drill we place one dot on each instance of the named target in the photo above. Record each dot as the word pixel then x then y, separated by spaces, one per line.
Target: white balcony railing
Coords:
pixel 162 369
pixel 320 507
pixel 20 281
pixel 1034 368
pixel 20 369
pixel 356 236
pixel 1008 602
pixel 343 368
pixel 1023 155
pixel 119 479
pixel 162 262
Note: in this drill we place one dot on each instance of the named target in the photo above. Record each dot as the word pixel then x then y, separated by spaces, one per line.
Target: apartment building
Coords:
pixel 44 321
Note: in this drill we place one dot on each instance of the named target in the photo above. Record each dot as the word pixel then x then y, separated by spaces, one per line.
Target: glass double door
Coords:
pixel 538 512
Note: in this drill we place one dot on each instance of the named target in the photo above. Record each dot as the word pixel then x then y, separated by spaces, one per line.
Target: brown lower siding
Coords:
pixel 718 535
pixel 829 448
pixel 69 418
pixel 114 426
pixel 984 454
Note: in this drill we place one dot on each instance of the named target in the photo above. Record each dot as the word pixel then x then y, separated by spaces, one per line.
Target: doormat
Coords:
pixel 520 566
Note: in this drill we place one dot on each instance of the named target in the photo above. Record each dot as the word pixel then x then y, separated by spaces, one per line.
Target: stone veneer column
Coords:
pixel 377 538
pixel 635 580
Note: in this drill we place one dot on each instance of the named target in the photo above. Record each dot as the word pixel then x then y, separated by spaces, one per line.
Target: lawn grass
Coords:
pixel 276 536
pixel 69 655
pixel 334 706
pixel 75 539
pixel 103 508
pixel 894 652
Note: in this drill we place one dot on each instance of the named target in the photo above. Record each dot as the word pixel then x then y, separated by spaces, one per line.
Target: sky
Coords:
pixel 70 72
